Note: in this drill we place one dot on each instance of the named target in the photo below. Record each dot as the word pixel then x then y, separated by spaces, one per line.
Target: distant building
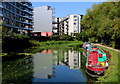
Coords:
pixel 55 28
pixel 74 24
pixel 43 21
pixel 69 25
pixel 17 16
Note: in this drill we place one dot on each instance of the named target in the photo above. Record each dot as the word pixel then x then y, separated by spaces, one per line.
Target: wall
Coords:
pixel 42 19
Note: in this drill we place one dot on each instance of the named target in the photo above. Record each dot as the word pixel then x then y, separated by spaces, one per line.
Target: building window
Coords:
pixel 18 11
pixel 7 21
pixel 7 13
pixel 13 16
pixel 75 63
pixel 75 26
pixel 75 19
pixel 18 5
pixel 75 30
pixel 75 16
pixel 75 23
pixel 13 9
pixel 13 3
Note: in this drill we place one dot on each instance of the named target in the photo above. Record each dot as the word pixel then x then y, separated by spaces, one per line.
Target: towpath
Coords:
pixel 108 47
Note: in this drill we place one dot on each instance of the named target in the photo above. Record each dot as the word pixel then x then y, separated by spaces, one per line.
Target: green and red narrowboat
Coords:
pixel 96 61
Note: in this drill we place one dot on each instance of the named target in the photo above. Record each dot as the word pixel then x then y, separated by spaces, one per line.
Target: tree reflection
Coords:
pixel 18 71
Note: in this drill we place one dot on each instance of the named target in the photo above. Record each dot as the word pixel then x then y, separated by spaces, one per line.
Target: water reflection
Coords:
pixel 58 66
pixel 43 65
pixel 51 65
pixel 72 59
pixel 18 71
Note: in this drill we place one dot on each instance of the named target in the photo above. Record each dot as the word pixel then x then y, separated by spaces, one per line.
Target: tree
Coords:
pixel 101 22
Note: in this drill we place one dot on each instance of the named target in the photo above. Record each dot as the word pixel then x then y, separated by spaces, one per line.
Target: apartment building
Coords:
pixel 1 10
pixel 69 25
pixel 18 16
pixel 55 27
pixel 74 24
pixel 43 20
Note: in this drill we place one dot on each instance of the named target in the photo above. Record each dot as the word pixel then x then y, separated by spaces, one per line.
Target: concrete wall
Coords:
pixel 42 19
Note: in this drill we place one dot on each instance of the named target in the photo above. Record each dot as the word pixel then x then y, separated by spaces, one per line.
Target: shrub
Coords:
pixel 62 37
pixel 93 39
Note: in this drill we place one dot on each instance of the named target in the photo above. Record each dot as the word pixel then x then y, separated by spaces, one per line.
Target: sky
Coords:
pixel 62 9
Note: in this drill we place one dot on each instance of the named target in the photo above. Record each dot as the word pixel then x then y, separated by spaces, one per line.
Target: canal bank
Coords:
pixel 63 63
pixel 111 75
pixel 60 50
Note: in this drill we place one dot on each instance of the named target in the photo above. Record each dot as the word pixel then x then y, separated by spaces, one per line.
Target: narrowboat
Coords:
pixel 86 45
pixel 96 61
pixel 101 54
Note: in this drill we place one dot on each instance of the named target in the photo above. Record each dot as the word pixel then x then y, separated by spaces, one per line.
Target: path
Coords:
pixel 108 47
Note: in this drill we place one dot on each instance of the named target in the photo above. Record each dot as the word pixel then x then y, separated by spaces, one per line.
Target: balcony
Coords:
pixel 24 4
pixel 53 12
pixel 28 29
pixel 28 23
pixel 1 5
pixel 1 13
pixel 28 12
pixel 11 26
pixel 31 18
pixel 54 27
pixel 30 7
pixel 17 27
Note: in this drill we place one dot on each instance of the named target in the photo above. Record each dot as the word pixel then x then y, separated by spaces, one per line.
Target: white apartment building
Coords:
pixel 74 24
pixel 69 25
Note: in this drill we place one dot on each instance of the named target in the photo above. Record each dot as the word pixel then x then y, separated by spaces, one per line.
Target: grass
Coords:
pixel 61 45
pixel 111 75
pixel 42 46
pixel 55 43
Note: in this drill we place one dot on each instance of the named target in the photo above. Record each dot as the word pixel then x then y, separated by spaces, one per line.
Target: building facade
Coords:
pixel 69 25
pixel 43 21
pixel 74 24
pixel 55 26
pixel 1 10
pixel 18 16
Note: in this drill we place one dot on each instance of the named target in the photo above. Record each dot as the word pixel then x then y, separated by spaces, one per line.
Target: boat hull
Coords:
pixel 94 73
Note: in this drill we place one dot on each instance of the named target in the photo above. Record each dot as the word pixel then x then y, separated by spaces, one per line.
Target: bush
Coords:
pixel 62 38
pixel 66 38
pixel 93 40
pixel 55 37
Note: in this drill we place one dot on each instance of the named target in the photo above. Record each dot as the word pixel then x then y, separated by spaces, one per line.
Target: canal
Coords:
pixel 49 65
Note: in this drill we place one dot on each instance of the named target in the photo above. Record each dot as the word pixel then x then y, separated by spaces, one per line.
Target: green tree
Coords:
pixel 101 23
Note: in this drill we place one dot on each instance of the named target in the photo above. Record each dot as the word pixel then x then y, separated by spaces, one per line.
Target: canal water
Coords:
pixel 50 65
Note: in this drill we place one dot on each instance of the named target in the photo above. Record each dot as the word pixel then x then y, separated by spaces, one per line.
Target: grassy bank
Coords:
pixel 39 46
pixel 55 44
pixel 111 75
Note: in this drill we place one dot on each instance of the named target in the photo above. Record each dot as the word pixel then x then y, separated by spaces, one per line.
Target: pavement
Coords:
pixel 108 47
